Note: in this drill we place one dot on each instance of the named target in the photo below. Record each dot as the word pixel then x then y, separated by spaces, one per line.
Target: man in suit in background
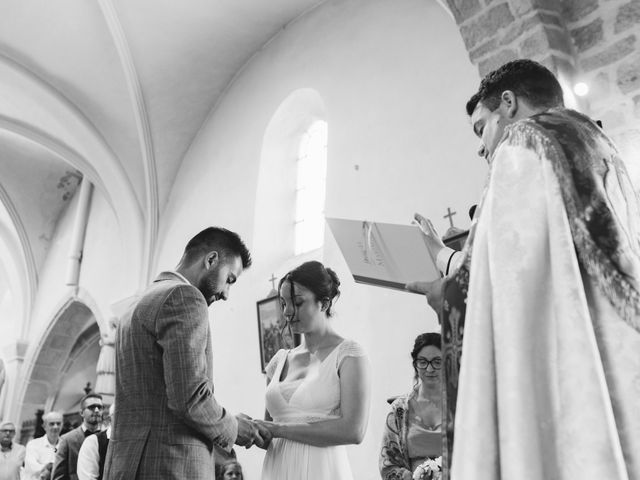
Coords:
pixel 167 420
pixel 93 452
pixel 66 463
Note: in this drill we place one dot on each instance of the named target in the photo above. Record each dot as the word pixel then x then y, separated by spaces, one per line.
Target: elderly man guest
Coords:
pixel 167 419
pixel 66 462
pixel 546 294
pixel 41 452
pixel 11 454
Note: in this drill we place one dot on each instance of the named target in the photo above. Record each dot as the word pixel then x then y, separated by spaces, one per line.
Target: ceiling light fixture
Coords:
pixel 581 89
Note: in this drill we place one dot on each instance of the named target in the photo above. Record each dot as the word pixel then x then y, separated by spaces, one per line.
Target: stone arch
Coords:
pixel 40 114
pixel 73 331
pixel 23 279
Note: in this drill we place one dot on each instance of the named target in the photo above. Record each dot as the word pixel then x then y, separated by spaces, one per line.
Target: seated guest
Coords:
pixel 41 452
pixel 93 453
pixel 66 462
pixel 231 470
pixel 412 441
pixel 12 456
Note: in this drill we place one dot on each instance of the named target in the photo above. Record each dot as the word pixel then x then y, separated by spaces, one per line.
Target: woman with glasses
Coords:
pixel 412 441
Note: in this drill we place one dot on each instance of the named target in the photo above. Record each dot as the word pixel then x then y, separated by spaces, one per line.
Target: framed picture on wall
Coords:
pixel 272 333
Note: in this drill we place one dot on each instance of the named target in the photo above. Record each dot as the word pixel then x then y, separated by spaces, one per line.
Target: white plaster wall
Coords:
pixel 394 77
pixel 52 291
pixel 106 274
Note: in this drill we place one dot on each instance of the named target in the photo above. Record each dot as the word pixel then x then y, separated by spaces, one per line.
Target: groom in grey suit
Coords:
pixel 167 420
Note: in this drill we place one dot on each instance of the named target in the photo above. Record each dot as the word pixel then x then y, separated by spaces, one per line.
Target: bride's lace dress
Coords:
pixel 313 398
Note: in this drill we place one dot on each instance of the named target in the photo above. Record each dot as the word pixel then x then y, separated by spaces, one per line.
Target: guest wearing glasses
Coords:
pixel 11 454
pixel 66 463
pixel 412 441
pixel 93 451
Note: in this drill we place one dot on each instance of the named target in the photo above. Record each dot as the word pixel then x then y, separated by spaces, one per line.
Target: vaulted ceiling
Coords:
pixel 116 91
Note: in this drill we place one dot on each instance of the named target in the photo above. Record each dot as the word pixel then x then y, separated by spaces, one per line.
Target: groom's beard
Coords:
pixel 209 286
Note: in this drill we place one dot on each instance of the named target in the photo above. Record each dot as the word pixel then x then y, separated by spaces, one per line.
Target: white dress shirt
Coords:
pixel 39 453
pixel 11 462
pixel 448 260
pixel 89 458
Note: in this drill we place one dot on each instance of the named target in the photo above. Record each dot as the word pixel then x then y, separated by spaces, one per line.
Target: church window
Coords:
pixel 310 188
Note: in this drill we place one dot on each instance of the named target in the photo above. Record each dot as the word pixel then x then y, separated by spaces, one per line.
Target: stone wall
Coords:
pixel 606 37
pixel 594 41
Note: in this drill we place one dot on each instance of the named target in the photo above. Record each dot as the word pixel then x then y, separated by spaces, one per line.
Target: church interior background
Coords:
pixel 128 126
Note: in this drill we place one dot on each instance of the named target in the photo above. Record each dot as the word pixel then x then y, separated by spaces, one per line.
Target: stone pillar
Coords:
pixel 496 32
pixel 606 35
pixel 106 367
pixel 14 358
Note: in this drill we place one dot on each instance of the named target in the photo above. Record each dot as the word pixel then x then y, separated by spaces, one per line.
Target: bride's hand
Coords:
pixel 265 431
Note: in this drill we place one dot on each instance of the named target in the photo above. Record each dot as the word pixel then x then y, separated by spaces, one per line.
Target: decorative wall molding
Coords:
pixel 145 138
pixel 24 252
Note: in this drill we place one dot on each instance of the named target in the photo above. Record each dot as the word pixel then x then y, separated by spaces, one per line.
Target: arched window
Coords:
pixel 310 188
pixel 291 180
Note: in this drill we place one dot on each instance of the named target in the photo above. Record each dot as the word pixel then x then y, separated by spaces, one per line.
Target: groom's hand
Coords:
pixel 265 435
pixel 247 431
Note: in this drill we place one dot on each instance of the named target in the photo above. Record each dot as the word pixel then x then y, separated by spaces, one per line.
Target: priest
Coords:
pixel 545 295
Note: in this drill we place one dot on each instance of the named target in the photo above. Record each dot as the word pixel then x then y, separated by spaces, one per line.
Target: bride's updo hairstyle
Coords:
pixel 321 281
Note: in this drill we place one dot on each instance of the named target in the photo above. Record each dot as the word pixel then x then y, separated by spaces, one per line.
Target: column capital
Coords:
pixel 15 350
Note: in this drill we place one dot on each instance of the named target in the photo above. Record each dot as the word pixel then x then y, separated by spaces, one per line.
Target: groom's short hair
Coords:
pixel 225 242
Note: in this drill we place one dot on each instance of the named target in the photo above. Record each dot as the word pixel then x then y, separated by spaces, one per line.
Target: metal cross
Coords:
pixel 450 215
pixel 273 282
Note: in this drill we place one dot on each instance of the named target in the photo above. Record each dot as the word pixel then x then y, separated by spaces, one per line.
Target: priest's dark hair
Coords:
pixel 527 79
pixel 320 280
pixel 225 242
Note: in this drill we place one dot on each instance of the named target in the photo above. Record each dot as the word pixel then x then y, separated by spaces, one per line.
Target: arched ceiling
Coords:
pixel 132 81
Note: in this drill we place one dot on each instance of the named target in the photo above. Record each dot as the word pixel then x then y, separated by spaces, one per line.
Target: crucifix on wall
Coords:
pixel 450 215
pixel 273 291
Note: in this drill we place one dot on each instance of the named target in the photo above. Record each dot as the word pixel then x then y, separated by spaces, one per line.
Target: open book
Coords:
pixel 384 254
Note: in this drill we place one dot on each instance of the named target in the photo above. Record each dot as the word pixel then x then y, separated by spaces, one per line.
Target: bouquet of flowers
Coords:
pixel 430 469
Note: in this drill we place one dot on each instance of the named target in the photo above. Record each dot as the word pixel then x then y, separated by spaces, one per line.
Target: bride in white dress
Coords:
pixel 318 393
